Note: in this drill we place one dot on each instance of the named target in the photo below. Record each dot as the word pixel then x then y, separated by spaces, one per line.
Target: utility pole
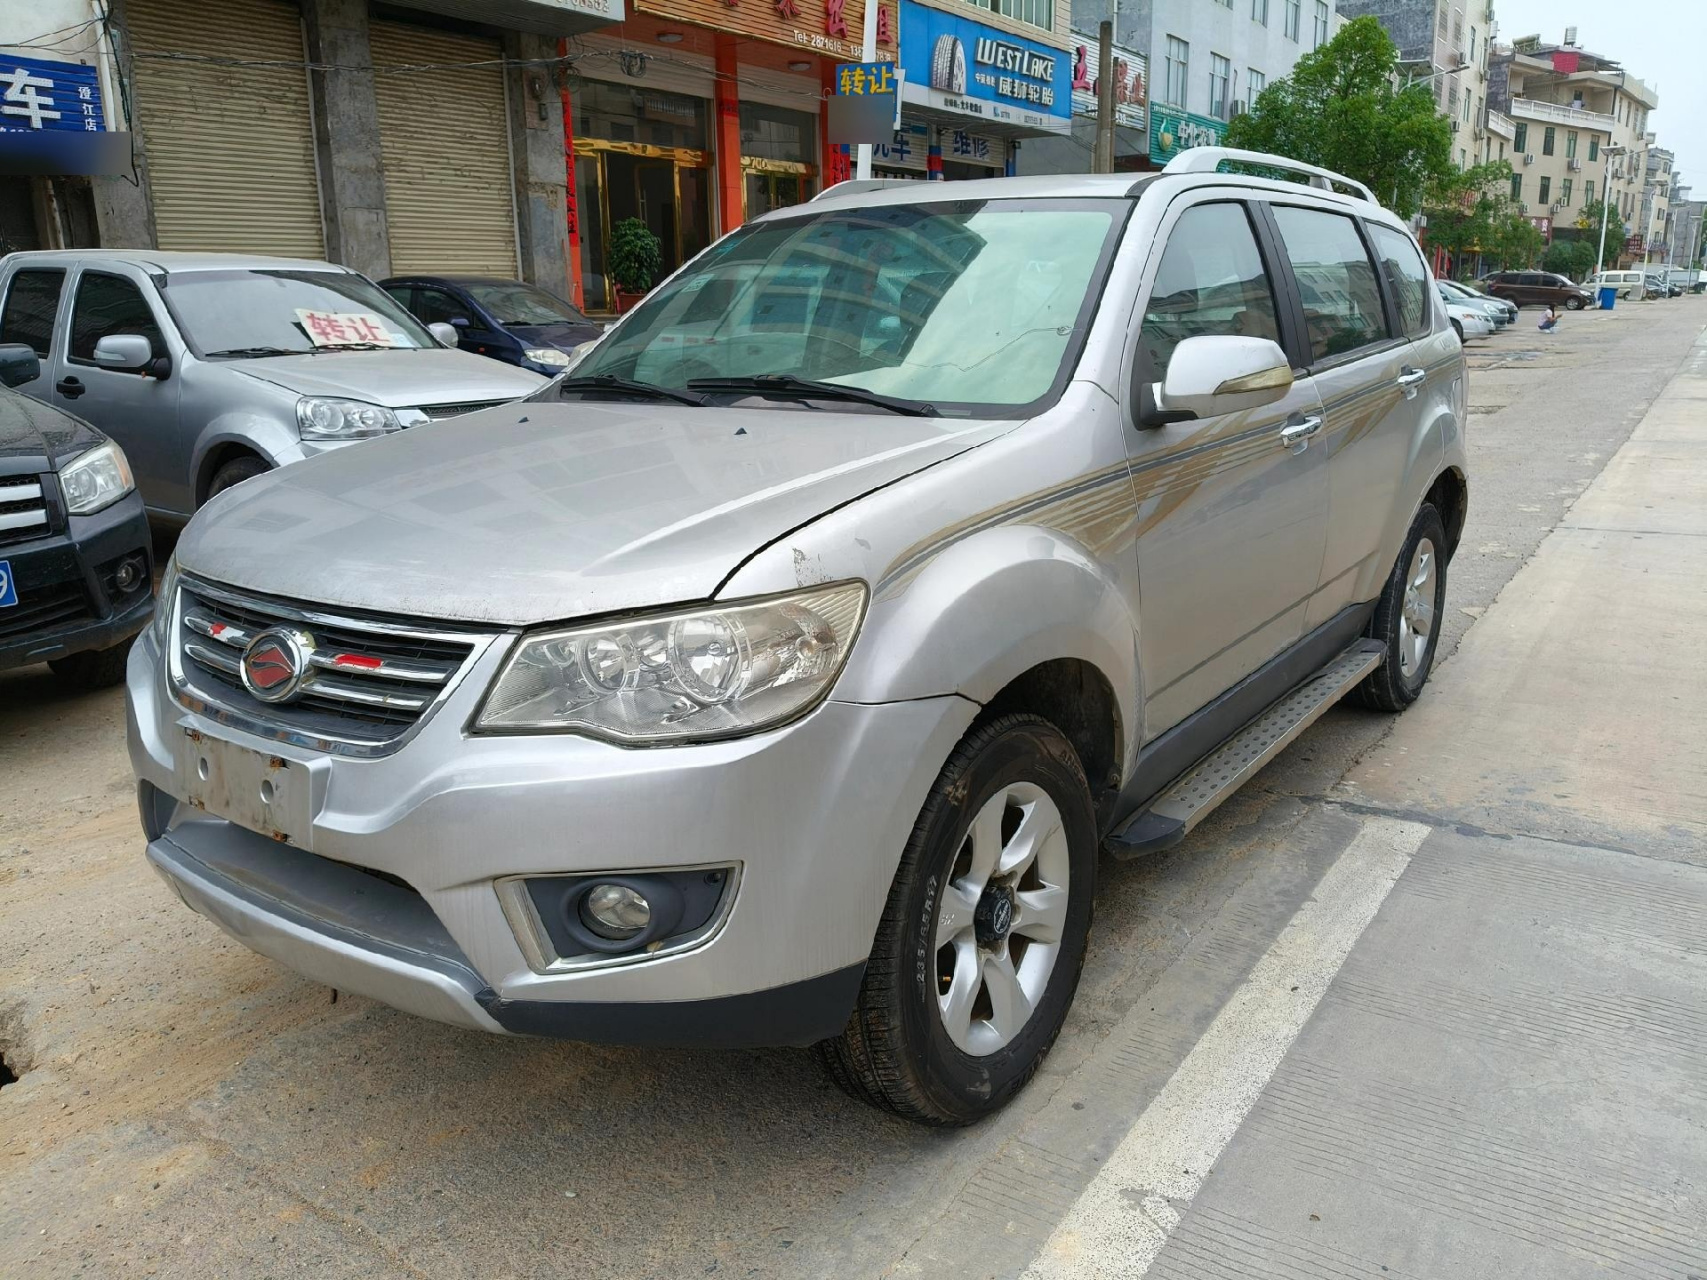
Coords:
pixel 867 53
pixel 1103 157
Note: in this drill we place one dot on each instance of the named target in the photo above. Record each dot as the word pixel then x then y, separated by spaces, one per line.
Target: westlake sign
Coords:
pixel 1173 131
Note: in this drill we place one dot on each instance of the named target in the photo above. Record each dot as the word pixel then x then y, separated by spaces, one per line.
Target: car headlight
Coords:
pixel 96 479
pixel 713 672
pixel 548 355
pixel 323 418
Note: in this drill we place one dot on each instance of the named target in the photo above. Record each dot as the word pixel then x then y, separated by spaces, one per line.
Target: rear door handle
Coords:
pixel 70 388
pixel 1410 380
pixel 1296 435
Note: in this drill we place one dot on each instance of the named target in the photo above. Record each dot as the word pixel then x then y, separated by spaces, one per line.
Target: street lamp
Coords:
pixel 1611 153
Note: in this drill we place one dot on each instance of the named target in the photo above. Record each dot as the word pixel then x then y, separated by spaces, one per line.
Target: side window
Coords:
pixel 1407 278
pixel 405 295
pixel 1342 303
pixel 1211 281
pixel 107 305
pixel 31 305
pixel 435 306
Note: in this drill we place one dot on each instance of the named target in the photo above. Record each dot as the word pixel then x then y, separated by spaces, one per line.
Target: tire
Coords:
pixel 935 955
pixel 96 669
pixel 948 65
pixel 1459 330
pixel 1400 617
pixel 1573 304
pixel 234 473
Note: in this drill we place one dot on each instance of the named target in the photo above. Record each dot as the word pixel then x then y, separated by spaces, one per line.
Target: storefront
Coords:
pixel 972 92
pixel 1173 131
pixel 694 115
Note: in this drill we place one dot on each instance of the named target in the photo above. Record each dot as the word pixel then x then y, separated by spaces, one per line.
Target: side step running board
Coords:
pixel 1188 801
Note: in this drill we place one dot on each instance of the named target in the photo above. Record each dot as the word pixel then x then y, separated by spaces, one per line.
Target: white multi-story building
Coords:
pixel 1581 123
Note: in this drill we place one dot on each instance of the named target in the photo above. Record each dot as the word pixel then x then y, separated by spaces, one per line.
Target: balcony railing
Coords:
pixel 1501 125
pixel 1552 112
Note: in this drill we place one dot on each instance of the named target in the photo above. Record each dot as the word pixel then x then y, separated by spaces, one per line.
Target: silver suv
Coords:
pixel 777 674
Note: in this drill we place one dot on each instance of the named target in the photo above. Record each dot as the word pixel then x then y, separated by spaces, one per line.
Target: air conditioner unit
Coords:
pixel 1456 125
pixel 1573 165
pixel 1529 158
pixel 1523 208
pixel 1554 207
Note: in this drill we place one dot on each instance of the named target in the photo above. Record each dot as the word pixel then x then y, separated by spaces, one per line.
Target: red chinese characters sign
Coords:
pixel 830 27
pixel 344 328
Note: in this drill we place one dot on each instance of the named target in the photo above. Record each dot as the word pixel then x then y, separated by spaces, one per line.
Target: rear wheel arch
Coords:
pixel 1450 495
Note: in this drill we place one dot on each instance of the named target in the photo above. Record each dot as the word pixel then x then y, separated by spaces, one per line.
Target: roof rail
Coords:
pixel 858 186
pixel 1210 160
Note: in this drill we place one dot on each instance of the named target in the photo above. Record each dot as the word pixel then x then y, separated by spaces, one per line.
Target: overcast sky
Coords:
pixel 1661 42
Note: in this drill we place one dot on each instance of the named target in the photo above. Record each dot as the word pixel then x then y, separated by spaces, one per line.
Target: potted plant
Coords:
pixel 635 260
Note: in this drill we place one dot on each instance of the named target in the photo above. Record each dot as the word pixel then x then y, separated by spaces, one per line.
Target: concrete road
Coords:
pixel 1421 1001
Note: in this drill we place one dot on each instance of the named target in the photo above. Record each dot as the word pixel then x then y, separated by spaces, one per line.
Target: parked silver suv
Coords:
pixel 776 676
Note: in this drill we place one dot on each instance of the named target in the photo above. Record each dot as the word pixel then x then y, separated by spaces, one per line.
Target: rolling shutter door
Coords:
pixel 444 140
pixel 230 149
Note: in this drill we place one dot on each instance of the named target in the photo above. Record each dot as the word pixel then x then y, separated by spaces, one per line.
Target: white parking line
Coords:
pixel 1120 1222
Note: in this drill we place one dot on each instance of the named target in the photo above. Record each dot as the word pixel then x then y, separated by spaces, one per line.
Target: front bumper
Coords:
pixel 815 816
pixel 67 564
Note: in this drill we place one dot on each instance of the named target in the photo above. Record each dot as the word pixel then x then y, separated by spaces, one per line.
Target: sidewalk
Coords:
pixel 1507 1077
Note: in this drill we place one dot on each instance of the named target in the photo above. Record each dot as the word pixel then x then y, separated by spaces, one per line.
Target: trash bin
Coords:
pixel 1608 297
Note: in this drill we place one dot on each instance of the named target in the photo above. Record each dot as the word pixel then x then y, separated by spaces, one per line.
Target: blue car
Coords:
pixel 508 320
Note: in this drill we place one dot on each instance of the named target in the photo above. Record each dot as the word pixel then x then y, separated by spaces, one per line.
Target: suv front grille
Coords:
pixel 54 606
pixel 23 510
pixel 437 411
pixel 370 681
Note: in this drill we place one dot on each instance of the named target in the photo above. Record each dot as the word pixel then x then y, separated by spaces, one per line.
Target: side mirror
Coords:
pixel 124 352
pixel 445 333
pixel 459 322
pixel 18 364
pixel 1222 374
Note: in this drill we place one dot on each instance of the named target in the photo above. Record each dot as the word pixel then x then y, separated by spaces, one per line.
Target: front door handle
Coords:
pixel 70 388
pixel 1410 380
pixel 1296 435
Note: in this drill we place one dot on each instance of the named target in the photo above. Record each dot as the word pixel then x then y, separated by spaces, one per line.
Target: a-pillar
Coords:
pixel 731 208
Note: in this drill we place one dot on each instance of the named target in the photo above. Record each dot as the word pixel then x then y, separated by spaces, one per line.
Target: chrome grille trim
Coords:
pixel 438 411
pixel 359 701
pixel 23 509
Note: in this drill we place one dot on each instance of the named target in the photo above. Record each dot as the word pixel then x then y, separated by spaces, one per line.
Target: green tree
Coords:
pixel 1339 109
pixel 1463 208
pixel 1512 241
pixel 1588 223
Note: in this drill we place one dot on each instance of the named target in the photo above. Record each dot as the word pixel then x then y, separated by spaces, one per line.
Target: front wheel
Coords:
pixel 1573 304
pixel 234 473
pixel 981 942
pixel 1407 616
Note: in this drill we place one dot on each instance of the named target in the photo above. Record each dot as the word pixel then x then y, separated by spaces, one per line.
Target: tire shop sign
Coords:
pixel 958 65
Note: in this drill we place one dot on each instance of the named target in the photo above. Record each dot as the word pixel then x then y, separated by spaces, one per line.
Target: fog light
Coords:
pixel 129 573
pixel 615 911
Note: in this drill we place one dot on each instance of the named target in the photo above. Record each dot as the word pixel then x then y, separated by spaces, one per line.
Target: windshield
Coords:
pixel 969 306
pixel 255 312
pixel 517 303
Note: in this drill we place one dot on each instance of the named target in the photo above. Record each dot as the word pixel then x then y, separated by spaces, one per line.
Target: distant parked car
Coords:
pixel 1498 310
pixel 1538 288
pixel 1625 282
pixel 210 368
pixel 508 320
pixel 1661 285
pixel 1469 319
pixel 76 561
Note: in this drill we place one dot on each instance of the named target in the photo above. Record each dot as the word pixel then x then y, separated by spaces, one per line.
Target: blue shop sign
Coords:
pixel 957 64
pixel 36 95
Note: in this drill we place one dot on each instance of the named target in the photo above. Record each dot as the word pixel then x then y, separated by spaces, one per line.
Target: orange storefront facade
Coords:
pixel 694 115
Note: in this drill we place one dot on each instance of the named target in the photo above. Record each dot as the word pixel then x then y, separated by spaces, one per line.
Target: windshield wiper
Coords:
pixel 810 389
pixel 356 346
pixel 255 351
pixel 627 386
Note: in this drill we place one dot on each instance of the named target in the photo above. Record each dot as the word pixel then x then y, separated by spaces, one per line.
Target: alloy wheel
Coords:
pixel 1000 920
pixel 1416 616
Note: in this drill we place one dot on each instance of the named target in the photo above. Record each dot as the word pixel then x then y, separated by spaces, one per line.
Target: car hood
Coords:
pixel 36 437
pixel 545 512
pixel 564 337
pixel 397 379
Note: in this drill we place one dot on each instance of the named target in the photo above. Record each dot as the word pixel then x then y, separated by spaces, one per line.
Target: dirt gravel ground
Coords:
pixel 183 1107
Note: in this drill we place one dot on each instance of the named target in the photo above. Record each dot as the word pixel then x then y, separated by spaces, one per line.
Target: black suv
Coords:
pixel 76 565
pixel 1538 288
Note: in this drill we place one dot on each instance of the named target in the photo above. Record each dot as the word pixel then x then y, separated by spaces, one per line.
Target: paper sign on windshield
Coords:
pixel 341 328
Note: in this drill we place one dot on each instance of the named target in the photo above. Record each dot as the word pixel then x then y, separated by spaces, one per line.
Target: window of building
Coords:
pixel 1458 30
pixel 1255 83
pixel 1443 16
pixel 1517 186
pixel 1546 188
pixel 1547 140
pixel 1407 278
pixel 1036 13
pixel 1176 64
pixel 1342 301
pixel 1571 145
pixel 1259 11
pixel 1220 79
pixel 1210 281
pixel 1225 4
pixel 1463 159
pixel 1320 27
pixel 31 305
pixel 1452 99
pixel 1472 45
pixel 776 133
pixel 1593 149
pixel 628 113
pixel 1588 193
pixel 108 305
pixel 1520 139
pixel 1565 193
pixel 1294 13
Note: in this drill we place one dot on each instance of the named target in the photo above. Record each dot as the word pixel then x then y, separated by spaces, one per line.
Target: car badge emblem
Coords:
pixel 276 663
